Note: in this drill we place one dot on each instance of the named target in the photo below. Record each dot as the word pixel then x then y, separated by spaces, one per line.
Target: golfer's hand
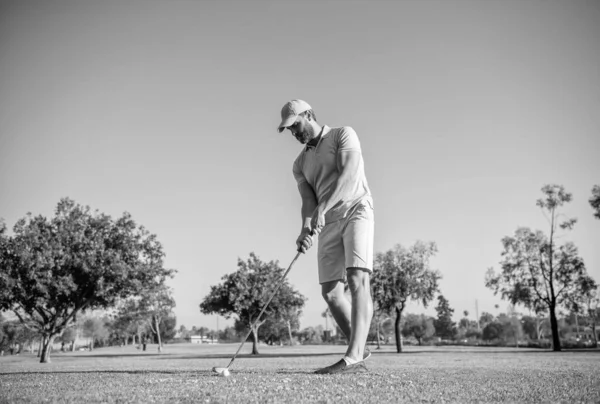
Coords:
pixel 304 241
pixel 318 220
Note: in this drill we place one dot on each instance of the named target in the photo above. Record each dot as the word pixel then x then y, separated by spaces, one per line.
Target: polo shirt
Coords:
pixel 317 165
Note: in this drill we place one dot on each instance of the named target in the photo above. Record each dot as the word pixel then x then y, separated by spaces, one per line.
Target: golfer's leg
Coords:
pixel 332 271
pixel 358 250
pixel 339 305
pixel 362 312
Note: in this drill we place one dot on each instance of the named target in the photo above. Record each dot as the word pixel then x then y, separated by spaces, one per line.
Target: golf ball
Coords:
pixel 225 373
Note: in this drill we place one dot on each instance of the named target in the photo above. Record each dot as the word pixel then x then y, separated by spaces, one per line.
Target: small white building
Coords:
pixel 197 339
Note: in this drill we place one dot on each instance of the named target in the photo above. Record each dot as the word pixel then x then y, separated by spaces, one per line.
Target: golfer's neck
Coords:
pixel 318 130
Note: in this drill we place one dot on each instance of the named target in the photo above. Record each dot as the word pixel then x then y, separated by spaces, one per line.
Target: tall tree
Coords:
pixel 291 319
pixel 167 328
pixel 535 271
pixel 52 269
pixel 587 303
pixel 444 326
pixel 157 304
pixel 595 201
pixel 401 275
pixel 485 319
pixel 245 292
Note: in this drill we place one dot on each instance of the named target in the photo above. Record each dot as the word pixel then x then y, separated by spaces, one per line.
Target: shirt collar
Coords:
pixel 324 131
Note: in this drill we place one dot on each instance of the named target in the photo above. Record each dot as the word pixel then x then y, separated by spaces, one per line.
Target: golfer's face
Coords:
pixel 300 130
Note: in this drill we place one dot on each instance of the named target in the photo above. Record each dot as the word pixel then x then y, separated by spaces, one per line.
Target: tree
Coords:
pixel 228 334
pixel 587 303
pixel 184 333
pixel 464 322
pixel 445 328
pixel 311 335
pixel 94 329
pixel 155 305
pixel 327 316
pixel 404 274
pixel 52 269
pixel 418 325
pixel 202 331
pixel 291 319
pixel 535 271
pixel 279 328
pixel 512 328
pixel 69 335
pixel 11 335
pixel 530 327
pixel 130 319
pixel 122 327
pixel 245 292
pixel 595 201
pixel 167 328
pixel 485 319
pixel 492 331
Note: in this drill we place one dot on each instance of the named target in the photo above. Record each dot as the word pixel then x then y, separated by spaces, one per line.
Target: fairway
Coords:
pixel 182 373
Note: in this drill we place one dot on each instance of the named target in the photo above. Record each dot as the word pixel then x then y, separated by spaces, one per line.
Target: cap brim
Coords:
pixel 289 121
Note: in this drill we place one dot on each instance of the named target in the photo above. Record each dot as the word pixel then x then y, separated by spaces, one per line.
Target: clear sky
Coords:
pixel 168 110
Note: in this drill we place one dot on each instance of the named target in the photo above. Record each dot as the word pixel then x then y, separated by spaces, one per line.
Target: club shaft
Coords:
pixel 264 308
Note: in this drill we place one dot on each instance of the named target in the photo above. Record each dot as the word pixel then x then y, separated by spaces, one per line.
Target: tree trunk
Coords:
pixel 255 340
pixel 46 347
pixel 40 347
pixel 398 330
pixel 73 346
pixel 289 325
pixel 378 334
pixel 158 333
pixel 594 333
pixel 554 328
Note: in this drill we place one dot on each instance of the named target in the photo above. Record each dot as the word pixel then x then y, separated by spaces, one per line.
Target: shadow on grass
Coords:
pixel 171 356
pixel 131 372
pixel 194 373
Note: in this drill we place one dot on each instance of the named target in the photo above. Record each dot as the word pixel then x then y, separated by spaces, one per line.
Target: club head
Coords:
pixel 221 371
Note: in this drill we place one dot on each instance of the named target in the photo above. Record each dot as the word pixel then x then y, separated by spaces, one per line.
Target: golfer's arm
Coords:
pixel 348 163
pixel 309 203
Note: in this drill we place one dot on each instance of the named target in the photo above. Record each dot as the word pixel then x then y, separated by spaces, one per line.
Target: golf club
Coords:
pixel 225 371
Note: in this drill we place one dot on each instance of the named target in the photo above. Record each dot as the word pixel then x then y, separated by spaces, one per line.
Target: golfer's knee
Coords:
pixel 332 293
pixel 358 280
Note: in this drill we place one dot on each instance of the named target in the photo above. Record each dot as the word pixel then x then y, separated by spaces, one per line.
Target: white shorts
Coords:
pixel 347 243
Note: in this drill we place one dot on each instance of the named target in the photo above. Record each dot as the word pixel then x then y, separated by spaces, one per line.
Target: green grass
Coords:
pixel 182 373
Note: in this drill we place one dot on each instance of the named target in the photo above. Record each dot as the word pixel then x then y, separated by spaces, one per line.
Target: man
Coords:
pixel 338 207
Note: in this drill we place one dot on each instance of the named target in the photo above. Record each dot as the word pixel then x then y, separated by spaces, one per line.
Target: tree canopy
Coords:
pixel 52 269
pixel 444 326
pixel 418 325
pixel 595 201
pixel 403 274
pixel 535 271
pixel 244 293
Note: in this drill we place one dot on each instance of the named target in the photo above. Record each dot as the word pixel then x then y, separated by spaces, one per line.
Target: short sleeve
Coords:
pixel 348 140
pixel 298 175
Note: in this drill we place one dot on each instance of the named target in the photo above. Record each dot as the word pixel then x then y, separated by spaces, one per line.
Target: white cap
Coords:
pixel 290 112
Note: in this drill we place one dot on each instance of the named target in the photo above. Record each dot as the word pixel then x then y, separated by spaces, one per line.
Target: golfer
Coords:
pixel 338 207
